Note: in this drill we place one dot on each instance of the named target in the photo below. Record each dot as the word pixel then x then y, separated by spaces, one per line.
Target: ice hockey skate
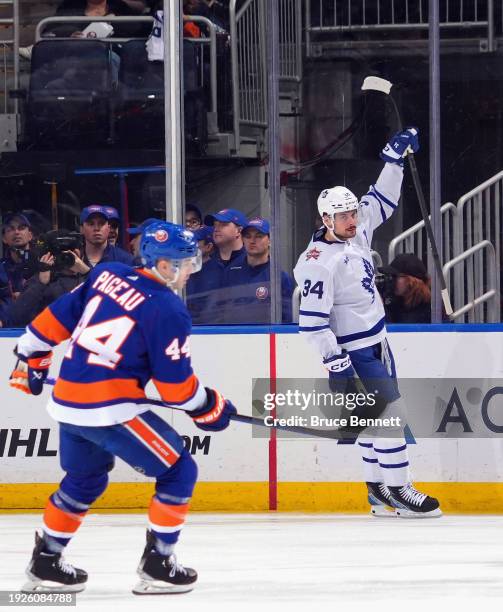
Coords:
pixel 411 503
pixel 161 574
pixel 380 500
pixel 50 573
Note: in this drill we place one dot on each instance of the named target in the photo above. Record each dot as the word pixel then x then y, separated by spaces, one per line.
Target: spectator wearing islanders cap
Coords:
pixel 135 236
pixel 17 235
pixel 113 222
pixel 197 292
pixel 227 225
pixel 95 227
pixel 406 290
pixel 249 283
pixel 204 237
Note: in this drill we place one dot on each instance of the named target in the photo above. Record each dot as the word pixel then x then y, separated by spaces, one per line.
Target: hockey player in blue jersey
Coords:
pixel 126 326
pixel 342 316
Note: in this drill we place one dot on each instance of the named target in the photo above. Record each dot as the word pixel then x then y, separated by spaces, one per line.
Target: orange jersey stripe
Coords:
pixel 103 391
pixel 59 520
pixel 167 515
pixel 50 327
pixel 177 392
pixel 153 441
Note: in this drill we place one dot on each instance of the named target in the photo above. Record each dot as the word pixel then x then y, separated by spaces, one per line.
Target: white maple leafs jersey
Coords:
pixel 340 306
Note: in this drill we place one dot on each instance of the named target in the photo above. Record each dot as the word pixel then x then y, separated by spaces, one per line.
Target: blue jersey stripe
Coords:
pixel 384 198
pixel 369 460
pixel 315 328
pixel 313 313
pixel 393 465
pixel 364 334
pixel 390 450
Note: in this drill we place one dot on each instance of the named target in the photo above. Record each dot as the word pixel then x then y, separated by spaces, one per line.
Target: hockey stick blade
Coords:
pixel 375 83
pixel 333 434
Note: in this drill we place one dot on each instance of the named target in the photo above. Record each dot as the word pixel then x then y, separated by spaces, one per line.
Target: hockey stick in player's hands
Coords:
pixel 332 434
pixel 374 83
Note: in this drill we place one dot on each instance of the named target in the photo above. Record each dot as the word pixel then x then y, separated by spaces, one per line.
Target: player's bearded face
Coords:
pixel 345 224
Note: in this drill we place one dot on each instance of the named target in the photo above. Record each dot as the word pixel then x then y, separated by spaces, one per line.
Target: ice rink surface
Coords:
pixel 285 562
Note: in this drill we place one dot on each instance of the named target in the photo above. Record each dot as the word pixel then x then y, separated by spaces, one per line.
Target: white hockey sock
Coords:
pixel 393 459
pixel 371 469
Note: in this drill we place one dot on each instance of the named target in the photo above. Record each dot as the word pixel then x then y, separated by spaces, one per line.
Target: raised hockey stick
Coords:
pixel 374 83
pixel 333 434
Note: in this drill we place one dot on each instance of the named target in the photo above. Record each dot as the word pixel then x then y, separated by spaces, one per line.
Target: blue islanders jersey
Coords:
pixel 125 328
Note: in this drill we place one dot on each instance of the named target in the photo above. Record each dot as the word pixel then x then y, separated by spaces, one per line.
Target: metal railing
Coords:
pixel 479 301
pixel 209 40
pixel 248 65
pixel 480 218
pixel 414 240
pixel 249 61
pixel 290 39
pixel 392 15
pixel 12 45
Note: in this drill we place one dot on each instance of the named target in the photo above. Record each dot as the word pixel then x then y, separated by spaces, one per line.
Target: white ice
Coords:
pixel 284 562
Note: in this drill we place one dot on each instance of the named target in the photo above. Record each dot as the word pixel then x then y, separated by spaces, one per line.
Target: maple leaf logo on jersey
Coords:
pixel 313 254
pixel 368 279
pixel 161 235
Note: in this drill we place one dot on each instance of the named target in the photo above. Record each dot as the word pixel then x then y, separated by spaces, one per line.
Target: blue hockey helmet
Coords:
pixel 164 240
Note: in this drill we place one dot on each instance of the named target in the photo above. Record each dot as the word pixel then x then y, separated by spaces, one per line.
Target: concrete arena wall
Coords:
pixel 242 473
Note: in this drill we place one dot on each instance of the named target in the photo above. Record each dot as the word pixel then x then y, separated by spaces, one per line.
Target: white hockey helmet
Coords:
pixel 337 199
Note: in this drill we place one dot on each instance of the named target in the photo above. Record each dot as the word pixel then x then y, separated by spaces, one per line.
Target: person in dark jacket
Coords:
pixel 42 289
pixel 95 227
pixel 407 297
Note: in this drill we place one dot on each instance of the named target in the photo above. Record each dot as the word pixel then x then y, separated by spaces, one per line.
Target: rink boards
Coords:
pixel 239 472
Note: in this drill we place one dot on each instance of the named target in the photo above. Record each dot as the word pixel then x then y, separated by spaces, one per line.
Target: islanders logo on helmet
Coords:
pixel 164 240
pixel 161 235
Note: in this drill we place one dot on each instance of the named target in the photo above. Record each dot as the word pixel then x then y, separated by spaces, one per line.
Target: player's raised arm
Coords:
pixel 381 200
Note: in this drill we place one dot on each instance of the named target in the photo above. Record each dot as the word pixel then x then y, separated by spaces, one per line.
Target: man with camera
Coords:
pixel 17 235
pixel 60 269
pixel 95 228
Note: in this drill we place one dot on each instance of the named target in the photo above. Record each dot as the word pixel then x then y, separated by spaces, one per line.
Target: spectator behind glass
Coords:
pixel 97 8
pixel 204 237
pixel 227 226
pixel 249 287
pixel 113 222
pixel 191 29
pixel 43 288
pixel 406 290
pixel 17 235
pixel 135 233
pixel 95 228
pixel 193 217
pixel 206 289
pixel 5 294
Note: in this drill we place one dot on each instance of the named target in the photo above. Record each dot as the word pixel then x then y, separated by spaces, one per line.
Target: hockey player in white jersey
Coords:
pixel 342 316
